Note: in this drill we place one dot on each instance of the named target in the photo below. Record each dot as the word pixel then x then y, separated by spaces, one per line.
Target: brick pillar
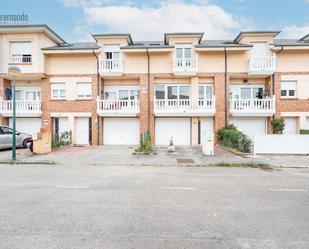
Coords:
pixel 45 96
pixel 219 92
pixel 144 104
pixel 278 94
pixel 194 120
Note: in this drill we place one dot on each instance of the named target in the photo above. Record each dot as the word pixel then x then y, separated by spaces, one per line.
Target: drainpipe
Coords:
pixel 148 92
pixel 225 86
pixel 273 75
pixel 98 92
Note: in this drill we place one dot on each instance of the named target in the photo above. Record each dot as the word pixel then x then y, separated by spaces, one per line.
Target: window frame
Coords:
pixel 204 86
pixel 288 89
pixel 84 96
pixel 23 55
pixel 52 88
pixel 166 86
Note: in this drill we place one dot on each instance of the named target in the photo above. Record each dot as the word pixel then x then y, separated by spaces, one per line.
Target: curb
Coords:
pixel 28 162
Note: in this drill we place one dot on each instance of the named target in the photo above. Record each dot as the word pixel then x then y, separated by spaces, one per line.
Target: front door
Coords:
pixel 82 130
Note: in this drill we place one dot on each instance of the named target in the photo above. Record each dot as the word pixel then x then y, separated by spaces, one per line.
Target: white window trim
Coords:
pixel 84 96
pixel 116 89
pixel 59 89
pixel 239 87
pixel 204 85
pixel 287 89
pixel 177 85
pixel 20 54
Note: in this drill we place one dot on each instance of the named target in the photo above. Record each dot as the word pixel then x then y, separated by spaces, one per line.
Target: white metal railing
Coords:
pixel 22 106
pixel 185 105
pixel 262 64
pixel 253 105
pixel 110 65
pixel 19 58
pixel 185 64
pixel 118 106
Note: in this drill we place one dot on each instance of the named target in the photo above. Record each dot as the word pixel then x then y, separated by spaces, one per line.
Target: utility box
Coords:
pixel 208 144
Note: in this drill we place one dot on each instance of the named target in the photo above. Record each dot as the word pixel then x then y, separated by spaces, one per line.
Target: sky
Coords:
pixel 75 20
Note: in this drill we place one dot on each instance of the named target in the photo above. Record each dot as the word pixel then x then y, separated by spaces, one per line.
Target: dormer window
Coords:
pixel 259 50
pixel 184 51
pixel 20 52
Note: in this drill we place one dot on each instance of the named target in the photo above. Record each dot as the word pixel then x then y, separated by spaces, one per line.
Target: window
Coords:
pixel 58 90
pixel 288 89
pixel 259 49
pixel 172 91
pixel 7 130
pixel 20 52
pixel 205 92
pixel 84 90
pixel 123 94
pixel 184 51
pixel 160 91
pixel 247 92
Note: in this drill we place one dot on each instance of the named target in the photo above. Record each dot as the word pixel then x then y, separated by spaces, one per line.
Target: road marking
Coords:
pixel 289 189
pixel 177 188
pixel 63 186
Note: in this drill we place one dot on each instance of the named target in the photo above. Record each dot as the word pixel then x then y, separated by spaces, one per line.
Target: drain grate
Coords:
pixel 185 160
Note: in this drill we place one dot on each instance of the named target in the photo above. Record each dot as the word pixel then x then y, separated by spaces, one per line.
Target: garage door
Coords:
pixel 290 125
pixel 27 125
pixel 206 127
pixel 250 126
pixel 121 131
pixel 176 128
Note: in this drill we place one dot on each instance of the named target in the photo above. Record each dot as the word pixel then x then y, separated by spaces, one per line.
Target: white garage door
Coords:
pixel 27 125
pixel 121 131
pixel 250 126
pixel 176 128
pixel 206 127
pixel 82 130
pixel 290 125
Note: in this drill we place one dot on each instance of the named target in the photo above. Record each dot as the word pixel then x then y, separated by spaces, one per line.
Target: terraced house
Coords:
pixel 111 90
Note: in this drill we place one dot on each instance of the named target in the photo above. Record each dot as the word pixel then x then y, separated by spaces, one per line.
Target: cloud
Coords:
pixel 149 22
pixel 294 31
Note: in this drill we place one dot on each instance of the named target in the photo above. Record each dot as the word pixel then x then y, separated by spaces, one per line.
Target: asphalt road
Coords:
pixel 146 207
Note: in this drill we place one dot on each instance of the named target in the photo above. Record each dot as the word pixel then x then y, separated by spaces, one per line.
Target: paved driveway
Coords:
pixel 93 207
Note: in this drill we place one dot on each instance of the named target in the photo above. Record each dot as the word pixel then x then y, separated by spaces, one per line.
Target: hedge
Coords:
pixel 229 136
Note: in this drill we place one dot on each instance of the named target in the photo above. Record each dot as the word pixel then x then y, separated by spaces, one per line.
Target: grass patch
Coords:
pixel 234 165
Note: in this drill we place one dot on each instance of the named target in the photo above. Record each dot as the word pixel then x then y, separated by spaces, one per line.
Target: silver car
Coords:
pixel 23 140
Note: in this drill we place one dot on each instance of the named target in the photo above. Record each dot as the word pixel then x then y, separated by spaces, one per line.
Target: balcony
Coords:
pixel 184 107
pixel 20 59
pixel 24 108
pixel 110 67
pixel 118 107
pixel 185 66
pixel 253 107
pixel 262 65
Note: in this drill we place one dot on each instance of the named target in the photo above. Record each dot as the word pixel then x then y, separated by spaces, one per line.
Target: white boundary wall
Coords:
pixel 281 144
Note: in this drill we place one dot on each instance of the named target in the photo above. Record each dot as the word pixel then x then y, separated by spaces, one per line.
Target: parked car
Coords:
pixel 23 140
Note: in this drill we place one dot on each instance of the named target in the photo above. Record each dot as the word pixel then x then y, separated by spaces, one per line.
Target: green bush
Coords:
pixel 303 131
pixel 278 125
pixel 229 136
pixel 145 144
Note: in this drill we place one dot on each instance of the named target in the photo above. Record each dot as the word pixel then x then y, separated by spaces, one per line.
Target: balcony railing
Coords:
pixel 23 108
pixel 185 66
pixel 118 107
pixel 185 107
pixel 254 107
pixel 20 58
pixel 262 65
pixel 110 65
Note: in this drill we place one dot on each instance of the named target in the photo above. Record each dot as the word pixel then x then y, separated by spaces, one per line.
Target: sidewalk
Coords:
pixel 122 155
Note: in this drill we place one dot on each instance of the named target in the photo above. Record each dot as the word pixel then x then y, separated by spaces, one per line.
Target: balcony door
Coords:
pixel 247 92
pixel 184 55
pixel 259 50
pixel 112 56
pixel 32 93
pixel 172 92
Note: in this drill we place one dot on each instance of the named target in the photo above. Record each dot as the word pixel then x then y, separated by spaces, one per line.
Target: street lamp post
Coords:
pixel 14 73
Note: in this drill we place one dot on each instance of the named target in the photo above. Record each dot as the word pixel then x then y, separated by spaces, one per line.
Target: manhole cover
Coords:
pixel 185 161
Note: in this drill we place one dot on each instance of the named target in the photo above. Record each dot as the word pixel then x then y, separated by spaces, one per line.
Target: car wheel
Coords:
pixel 25 143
